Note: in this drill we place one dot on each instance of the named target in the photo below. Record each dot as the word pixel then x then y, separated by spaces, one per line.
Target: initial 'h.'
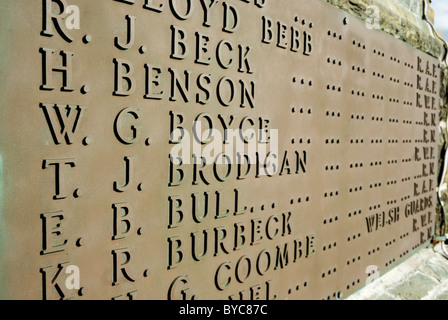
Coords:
pixel 48 69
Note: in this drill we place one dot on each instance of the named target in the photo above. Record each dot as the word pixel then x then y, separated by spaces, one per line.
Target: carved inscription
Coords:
pixel 205 149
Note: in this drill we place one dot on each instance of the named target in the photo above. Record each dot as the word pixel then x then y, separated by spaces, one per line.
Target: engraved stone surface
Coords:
pixel 196 149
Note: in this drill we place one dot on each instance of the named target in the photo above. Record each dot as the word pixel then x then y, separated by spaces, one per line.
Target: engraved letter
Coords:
pixel 268 34
pixel 59 175
pixel 219 54
pixel 152 82
pixel 179 48
pixel 51 18
pixel 194 240
pixel 307 46
pixel 123 75
pixel 175 256
pixel 175 293
pixel 175 83
pixel 122 226
pixel 175 9
pixel 231 18
pixel 63 121
pixel 244 65
pixel 202 48
pixel 52 240
pixel 203 83
pixel 207 5
pixel 128 177
pixel 150 6
pixel 118 126
pixel 120 267
pixel 130 35
pixel 247 95
pixel 48 69
pixel 52 283
pixel 175 210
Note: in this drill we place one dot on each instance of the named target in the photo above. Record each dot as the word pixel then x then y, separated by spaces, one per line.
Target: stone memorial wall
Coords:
pixel 204 149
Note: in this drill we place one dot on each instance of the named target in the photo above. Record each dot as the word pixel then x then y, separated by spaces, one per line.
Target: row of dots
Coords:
pixel 391 242
pixel 297 288
pixel 331 220
pixel 353 260
pixel 329 272
pixel 330 246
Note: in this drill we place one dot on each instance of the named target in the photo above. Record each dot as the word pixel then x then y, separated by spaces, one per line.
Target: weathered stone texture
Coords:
pixel 403 20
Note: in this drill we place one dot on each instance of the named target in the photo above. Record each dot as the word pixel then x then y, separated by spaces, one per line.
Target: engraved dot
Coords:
pixel 85 89
pixel 140 231
pixel 87 39
pixel 140 187
pixel 143 49
pixel 79 243
pixel 81 292
pixel 86 141
pixel 146 273
pixel 77 193
pixel 148 142
pixel 345 21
